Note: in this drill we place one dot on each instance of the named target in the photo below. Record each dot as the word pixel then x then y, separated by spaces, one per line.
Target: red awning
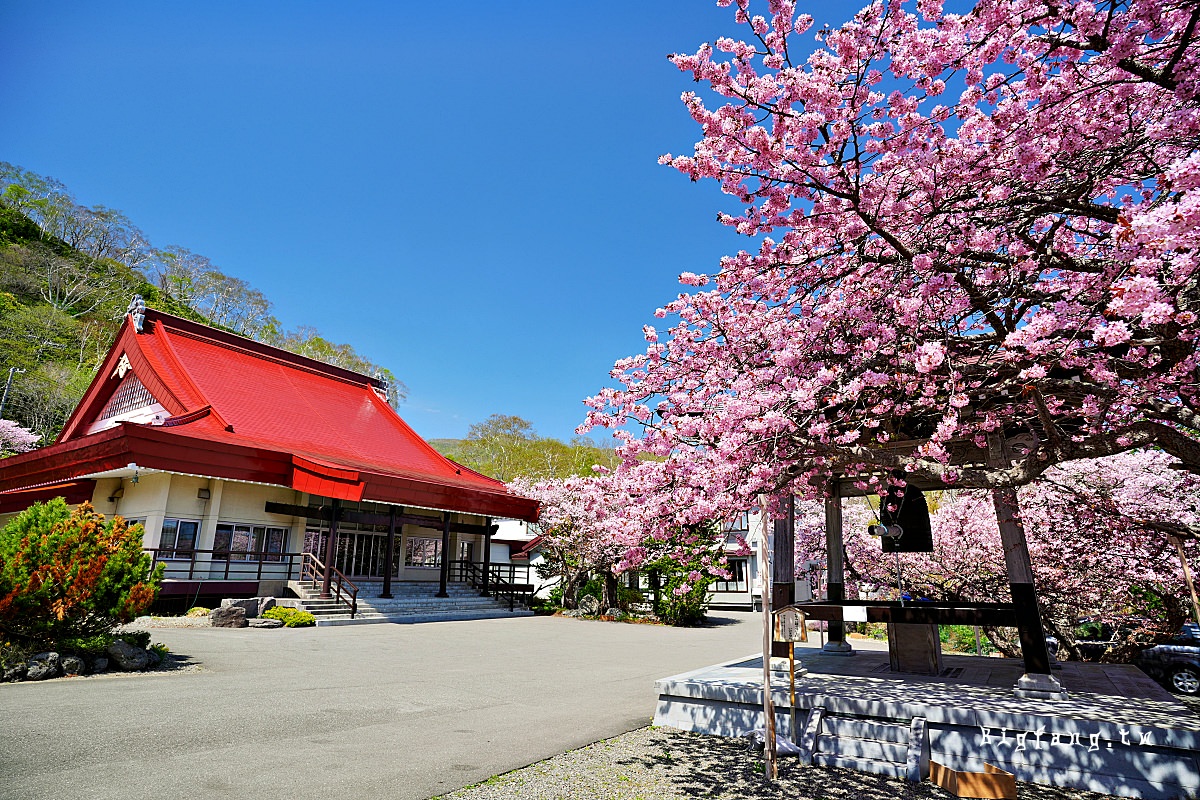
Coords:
pixel 72 491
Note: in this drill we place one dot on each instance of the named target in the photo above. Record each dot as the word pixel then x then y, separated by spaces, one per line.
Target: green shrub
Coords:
pixel 160 649
pixel 594 587
pixel 86 645
pixel 68 574
pixel 139 639
pixel 198 611
pixel 12 654
pixel 291 617
pixel 628 596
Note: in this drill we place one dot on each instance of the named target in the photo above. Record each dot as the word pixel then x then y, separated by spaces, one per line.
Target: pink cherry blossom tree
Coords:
pixel 600 525
pixel 962 226
pixel 581 533
pixel 15 439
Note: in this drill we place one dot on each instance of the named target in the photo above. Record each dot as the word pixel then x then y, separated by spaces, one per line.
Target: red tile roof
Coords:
pixel 268 411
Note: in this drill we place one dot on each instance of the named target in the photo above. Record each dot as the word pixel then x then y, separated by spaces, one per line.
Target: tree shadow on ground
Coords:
pixel 712 767
pixel 175 662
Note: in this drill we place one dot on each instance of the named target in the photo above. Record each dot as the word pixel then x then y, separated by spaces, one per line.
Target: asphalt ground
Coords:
pixel 370 711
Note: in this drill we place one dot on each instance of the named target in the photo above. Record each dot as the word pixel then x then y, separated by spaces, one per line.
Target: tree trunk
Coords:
pixel 610 591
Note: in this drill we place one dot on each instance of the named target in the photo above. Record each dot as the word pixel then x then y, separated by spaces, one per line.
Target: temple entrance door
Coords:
pixel 359 555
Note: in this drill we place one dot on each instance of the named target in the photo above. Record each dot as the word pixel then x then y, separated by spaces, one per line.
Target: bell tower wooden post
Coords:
pixel 783 566
pixel 1037 682
pixel 835 569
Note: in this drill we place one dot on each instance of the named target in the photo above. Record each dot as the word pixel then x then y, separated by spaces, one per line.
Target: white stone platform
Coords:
pixel 1119 733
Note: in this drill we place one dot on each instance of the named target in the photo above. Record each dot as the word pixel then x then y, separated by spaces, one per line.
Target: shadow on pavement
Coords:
pixel 708 766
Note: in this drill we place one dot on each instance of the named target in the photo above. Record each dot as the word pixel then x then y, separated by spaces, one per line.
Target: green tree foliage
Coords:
pixel 67 273
pixel 70 573
pixel 684 580
pixel 505 447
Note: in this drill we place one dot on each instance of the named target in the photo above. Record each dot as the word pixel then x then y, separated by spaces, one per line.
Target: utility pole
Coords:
pixel 7 384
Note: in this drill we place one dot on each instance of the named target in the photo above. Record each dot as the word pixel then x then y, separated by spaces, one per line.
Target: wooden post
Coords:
pixel 835 584
pixel 445 572
pixel 792 672
pixel 783 572
pixel 1037 678
pixel 330 549
pixel 487 557
pixel 389 553
pixel 771 770
pixel 1187 576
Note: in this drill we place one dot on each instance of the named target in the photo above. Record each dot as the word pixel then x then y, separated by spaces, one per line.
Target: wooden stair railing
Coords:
pixel 313 570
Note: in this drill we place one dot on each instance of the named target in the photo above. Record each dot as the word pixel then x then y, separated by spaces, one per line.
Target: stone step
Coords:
pixel 863 748
pixel 445 616
pixel 873 766
pixel 865 729
pixel 479 602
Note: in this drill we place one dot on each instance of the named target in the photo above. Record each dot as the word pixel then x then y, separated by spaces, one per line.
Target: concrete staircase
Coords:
pixel 410 602
pixel 868 745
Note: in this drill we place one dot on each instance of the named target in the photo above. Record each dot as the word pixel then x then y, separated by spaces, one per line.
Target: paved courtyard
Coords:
pixel 387 711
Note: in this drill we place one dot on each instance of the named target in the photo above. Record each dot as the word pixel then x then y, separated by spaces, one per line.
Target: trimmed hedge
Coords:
pixel 291 617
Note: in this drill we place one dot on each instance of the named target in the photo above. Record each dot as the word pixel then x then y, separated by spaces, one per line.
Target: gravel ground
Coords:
pixel 665 764
pixel 150 623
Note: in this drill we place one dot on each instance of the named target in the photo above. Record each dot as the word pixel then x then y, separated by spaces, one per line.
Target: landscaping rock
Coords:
pixel 155 658
pixel 74 665
pixel 249 604
pixel 43 666
pixel 613 612
pixel 228 617
pixel 14 674
pixel 127 657
pixel 589 605
pixel 265 603
pixel 264 623
pixel 98 663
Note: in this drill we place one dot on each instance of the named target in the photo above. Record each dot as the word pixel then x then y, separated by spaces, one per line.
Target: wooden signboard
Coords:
pixel 991 784
pixel 790 626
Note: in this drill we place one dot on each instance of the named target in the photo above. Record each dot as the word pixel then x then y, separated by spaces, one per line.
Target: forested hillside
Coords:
pixel 506 447
pixel 67 274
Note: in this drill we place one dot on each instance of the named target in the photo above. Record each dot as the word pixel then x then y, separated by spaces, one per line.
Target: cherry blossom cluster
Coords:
pixel 15 439
pixel 967 229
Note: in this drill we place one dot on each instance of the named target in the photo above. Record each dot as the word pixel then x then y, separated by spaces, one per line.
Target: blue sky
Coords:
pixel 467 193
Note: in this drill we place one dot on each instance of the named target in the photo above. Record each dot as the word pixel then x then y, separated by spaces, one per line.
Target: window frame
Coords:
pixel 409 541
pixel 258 539
pixel 175 550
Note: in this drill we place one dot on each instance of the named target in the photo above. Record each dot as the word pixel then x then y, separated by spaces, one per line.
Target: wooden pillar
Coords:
pixel 487 557
pixel 1187 576
pixel 835 569
pixel 331 548
pixel 389 553
pixel 445 573
pixel 1037 681
pixel 783 566
pixel 769 761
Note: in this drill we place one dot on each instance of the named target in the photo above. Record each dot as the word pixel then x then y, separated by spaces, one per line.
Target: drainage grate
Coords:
pixel 952 672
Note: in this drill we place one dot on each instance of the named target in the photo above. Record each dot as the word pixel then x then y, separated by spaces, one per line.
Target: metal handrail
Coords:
pixel 498 586
pixel 313 570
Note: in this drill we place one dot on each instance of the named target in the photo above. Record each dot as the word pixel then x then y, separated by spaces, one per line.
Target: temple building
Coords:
pixel 242 459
